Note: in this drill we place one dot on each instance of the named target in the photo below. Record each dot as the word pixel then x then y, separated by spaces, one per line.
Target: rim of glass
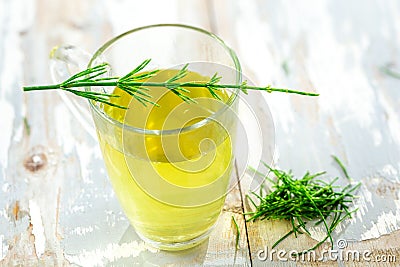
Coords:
pixel 198 124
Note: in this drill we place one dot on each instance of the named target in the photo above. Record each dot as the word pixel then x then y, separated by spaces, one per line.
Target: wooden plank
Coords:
pixel 314 46
pixel 42 159
pixel 84 223
pixel 326 46
pixel 220 249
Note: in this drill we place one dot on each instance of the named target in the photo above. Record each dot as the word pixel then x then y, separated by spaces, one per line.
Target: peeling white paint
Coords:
pixel 387 222
pixel 6 124
pixel 110 253
pixel 376 136
pixel 82 230
pixel 37 225
pixel 389 170
pixel 3 248
pixel 328 48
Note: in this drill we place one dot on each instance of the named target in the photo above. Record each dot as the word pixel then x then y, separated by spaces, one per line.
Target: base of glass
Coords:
pixel 177 246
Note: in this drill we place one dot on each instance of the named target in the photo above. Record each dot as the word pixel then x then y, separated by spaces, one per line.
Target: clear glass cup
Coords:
pixel 172 180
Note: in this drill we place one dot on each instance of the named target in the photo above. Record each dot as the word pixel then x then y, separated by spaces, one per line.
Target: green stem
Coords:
pixel 165 84
pixel 131 84
pixel 42 87
pixel 388 71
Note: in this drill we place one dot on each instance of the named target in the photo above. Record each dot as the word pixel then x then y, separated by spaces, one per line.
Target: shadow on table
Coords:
pixel 153 257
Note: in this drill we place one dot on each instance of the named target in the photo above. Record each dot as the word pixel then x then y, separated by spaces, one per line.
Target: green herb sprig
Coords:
pixel 389 71
pixel 302 200
pixel 237 232
pixel 135 85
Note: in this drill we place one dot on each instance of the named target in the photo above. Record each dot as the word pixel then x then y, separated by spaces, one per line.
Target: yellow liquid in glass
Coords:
pixel 172 189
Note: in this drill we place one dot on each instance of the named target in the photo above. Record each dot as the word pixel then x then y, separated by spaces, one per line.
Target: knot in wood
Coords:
pixel 35 162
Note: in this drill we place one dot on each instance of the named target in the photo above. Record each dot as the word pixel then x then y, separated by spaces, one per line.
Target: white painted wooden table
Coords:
pixel 57 206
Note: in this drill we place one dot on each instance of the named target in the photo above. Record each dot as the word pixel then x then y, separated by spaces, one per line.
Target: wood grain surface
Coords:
pixel 57 207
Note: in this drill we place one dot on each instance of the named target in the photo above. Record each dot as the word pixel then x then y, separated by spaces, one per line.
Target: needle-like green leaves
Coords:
pixel 135 84
pixel 302 200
